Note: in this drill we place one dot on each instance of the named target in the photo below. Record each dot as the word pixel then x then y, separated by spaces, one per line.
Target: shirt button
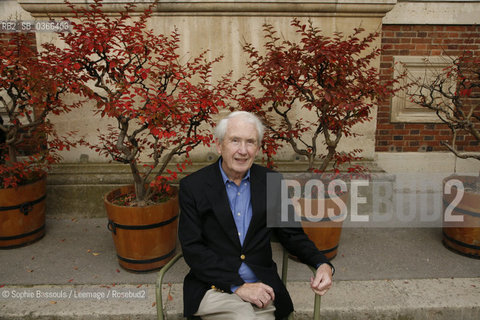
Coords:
pixel 239 234
pixel 242 257
pixel 238 193
pixel 239 214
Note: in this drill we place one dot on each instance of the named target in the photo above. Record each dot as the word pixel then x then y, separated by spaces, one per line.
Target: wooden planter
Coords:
pixel 145 237
pixel 22 214
pixel 326 232
pixel 463 237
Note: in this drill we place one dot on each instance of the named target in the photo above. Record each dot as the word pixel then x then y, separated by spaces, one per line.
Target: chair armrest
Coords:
pixel 159 283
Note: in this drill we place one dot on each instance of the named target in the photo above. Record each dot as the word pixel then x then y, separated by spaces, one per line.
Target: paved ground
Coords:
pixel 381 274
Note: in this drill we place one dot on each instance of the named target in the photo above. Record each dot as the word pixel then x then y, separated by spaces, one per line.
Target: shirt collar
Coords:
pixel 224 175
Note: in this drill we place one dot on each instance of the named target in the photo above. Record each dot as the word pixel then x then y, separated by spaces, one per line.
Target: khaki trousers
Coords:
pixel 217 305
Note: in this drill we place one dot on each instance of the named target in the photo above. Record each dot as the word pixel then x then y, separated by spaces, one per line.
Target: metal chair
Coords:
pixel 161 274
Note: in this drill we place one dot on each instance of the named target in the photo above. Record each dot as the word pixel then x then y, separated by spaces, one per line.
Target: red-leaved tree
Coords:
pixel 330 79
pixel 162 107
pixel 32 87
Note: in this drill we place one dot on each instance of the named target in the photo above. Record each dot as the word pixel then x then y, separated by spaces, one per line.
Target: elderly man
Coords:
pixel 225 238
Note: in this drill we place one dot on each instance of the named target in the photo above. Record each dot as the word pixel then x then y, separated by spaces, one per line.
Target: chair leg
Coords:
pixel 317 301
pixel 285 274
pixel 316 307
pixel 159 282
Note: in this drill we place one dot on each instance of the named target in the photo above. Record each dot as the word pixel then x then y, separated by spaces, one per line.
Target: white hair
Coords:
pixel 221 128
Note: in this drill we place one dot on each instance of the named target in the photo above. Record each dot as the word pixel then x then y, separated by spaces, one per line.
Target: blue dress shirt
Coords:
pixel 241 207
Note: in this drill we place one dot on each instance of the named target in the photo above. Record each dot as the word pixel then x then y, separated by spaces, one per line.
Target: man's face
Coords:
pixel 238 148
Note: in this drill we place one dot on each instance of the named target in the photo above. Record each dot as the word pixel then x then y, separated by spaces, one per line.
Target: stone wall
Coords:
pixel 223 27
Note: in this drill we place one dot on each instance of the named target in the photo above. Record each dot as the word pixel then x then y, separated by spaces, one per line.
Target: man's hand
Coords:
pixel 323 279
pixel 256 293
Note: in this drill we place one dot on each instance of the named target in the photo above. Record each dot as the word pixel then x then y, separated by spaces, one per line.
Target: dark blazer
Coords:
pixel 211 246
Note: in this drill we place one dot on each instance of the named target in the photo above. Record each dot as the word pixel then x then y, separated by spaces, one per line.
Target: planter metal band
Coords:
pixel 460 210
pixel 23 235
pixel 338 218
pixel 112 226
pixel 146 261
pixel 25 207
pixel 460 243
pixel 329 250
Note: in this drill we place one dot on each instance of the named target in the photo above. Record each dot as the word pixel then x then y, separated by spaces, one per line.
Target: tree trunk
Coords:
pixel 138 183
pixel 12 155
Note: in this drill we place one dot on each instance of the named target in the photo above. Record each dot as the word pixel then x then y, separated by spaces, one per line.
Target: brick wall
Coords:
pixel 420 40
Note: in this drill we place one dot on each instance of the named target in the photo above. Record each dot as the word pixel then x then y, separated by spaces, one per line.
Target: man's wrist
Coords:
pixel 328 263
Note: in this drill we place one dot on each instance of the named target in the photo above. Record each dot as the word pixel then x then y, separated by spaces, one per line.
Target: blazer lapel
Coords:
pixel 217 196
pixel 258 198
